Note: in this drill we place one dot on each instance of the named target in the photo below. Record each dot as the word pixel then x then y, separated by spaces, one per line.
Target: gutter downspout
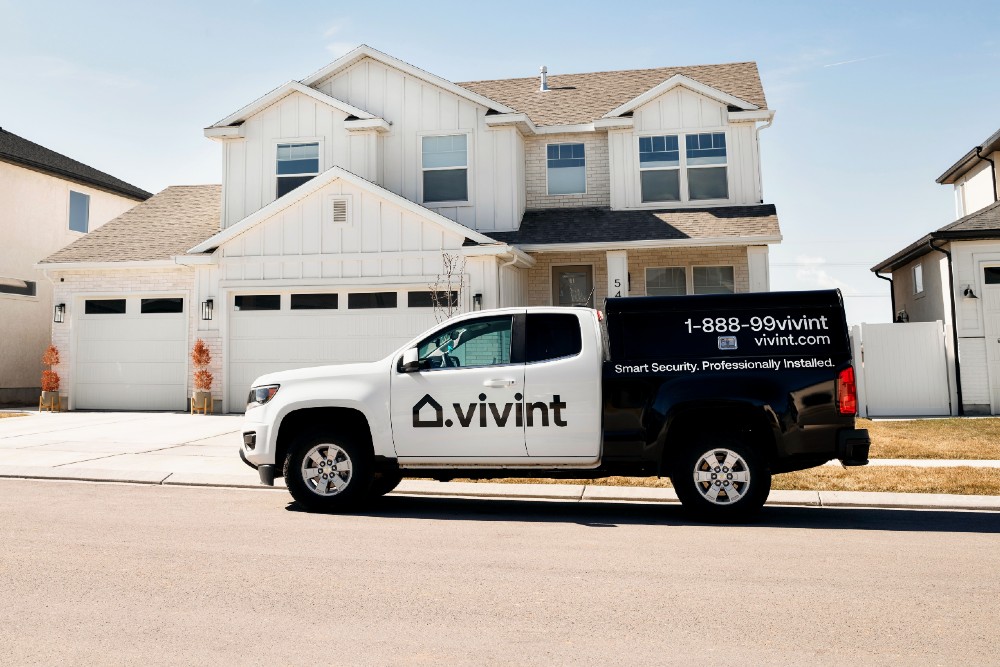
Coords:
pixel 500 276
pixel 993 172
pixel 892 293
pixel 756 138
pixel 954 326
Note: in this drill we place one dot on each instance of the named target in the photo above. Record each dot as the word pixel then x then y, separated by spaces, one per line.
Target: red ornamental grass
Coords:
pixel 203 380
pixel 50 381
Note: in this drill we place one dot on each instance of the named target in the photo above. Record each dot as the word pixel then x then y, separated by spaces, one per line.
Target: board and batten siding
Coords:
pixel 303 242
pixel 417 108
pixel 682 111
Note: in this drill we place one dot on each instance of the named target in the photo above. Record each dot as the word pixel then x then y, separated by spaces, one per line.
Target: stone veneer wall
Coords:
pixel 127 282
pixel 540 275
pixel 598 174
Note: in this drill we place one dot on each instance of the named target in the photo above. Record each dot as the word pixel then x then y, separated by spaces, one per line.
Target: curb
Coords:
pixel 558 492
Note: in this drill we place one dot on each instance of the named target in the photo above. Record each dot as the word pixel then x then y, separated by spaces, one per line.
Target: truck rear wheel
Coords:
pixel 328 474
pixel 722 479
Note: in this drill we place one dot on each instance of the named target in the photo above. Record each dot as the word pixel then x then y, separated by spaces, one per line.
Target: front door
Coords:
pixel 573 285
pixel 466 401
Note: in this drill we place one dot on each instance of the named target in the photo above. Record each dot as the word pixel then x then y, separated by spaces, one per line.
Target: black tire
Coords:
pixel 385 482
pixel 346 489
pixel 743 501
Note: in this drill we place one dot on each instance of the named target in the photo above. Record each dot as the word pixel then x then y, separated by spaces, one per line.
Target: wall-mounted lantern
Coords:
pixel 206 309
pixel 59 314
pixel 968 293
pixel 477 302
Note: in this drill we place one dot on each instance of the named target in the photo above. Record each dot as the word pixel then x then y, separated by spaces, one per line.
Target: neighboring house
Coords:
pixel 340 192
pixel 953 275
pixel 47 200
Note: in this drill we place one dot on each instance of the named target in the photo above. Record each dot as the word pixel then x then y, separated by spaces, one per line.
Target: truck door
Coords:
pixel 466 400
pixel 562 386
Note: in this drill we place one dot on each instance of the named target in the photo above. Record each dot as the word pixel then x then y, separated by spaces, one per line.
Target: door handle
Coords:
pixel 498 383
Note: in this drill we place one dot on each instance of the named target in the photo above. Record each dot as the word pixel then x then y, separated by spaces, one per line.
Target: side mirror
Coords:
pixel 411 361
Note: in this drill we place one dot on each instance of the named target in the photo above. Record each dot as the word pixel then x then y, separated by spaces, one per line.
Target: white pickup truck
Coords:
pixel 708 390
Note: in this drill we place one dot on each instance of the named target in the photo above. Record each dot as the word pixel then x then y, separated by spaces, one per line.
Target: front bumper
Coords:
pixel 255 451
pixel 852 446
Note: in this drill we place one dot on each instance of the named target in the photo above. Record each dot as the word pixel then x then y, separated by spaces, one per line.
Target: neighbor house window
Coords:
pixel 19 287
pixel 703 163
pixel 670 281
pixel 445 164
pixel 297 164
pixel 918 279
pixel 567 169
pixel 659 168
pixel 713 280
pixel 706 166
pixel 79 211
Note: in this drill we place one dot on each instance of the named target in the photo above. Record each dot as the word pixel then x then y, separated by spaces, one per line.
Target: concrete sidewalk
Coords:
pixel 181 449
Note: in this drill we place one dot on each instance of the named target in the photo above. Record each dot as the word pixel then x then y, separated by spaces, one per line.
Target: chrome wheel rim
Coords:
pixel 722 476
pixel 326 470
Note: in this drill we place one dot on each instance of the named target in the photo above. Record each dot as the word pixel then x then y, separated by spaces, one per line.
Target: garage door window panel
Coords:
pixel 427 299
pixel 245 302
pixel 161 306
pixel 104 307
pixel 315 301
pixel 364 300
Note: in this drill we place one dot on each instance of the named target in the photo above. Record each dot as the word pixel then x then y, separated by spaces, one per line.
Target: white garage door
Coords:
pixel 275 332
pixel 131 354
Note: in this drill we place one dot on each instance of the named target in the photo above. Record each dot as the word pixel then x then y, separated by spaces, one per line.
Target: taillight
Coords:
pixel 847 392
pixel 600 316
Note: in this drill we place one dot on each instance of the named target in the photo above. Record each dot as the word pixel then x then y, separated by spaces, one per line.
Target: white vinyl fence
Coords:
pixel 902 369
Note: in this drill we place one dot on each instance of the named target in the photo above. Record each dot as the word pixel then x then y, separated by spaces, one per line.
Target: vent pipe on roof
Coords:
pixel 545 78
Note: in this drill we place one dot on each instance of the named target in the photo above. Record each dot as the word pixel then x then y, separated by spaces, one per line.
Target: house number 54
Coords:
pixel 618 286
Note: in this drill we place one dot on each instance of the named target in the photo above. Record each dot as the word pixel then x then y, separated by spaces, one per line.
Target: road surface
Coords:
pixel 113 573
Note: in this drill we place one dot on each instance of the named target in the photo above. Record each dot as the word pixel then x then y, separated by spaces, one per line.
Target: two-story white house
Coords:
pixel 47 200
pixel 341 192
pixel 952 274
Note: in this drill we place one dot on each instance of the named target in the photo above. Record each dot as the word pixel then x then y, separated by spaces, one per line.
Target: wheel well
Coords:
pixel 747 422
pixel 343 421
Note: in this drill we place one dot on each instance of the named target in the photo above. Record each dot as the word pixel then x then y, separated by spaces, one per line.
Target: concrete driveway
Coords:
pixel 127 446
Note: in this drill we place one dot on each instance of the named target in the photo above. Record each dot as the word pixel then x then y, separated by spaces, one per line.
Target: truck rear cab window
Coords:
pixel 552 336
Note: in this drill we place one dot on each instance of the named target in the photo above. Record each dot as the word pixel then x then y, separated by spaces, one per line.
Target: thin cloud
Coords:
pixel 812 273
pixel 856 60
pixel 51 67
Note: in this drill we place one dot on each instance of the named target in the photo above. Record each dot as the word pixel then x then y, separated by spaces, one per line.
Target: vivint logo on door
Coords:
pixel 428 413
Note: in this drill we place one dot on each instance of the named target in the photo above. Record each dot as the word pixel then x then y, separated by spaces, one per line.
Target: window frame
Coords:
pixel 28 292
pixel 713 266
pixel 69 212
pixel 917 278
pixel 280 308
pixel 294 141
pixel 586 185
pixel 469 153
pixel 684 269
pixel 682 167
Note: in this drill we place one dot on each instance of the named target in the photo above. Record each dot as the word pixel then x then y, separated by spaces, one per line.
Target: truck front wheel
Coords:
pixel 328 474
pixel 721 479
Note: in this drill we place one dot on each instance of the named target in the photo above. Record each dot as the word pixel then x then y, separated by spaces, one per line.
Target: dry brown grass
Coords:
pixel 958 480
pixel 934 438
pixel 13 414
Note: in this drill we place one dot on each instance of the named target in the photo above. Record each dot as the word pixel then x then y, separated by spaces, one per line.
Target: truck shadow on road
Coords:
pixel 612 515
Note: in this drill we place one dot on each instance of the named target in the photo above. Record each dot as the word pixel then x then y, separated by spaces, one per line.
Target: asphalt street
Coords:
pixel 145 574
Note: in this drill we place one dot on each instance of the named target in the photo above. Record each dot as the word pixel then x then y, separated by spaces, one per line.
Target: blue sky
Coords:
pixel 874 99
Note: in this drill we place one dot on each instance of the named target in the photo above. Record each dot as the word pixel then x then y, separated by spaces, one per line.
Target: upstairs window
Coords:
pixel 699 172
pixel 918 279
pixel 445 165
pixel 660 168
pixel 79 211
pixel 297 164
pixel 566 169
pixel 706 166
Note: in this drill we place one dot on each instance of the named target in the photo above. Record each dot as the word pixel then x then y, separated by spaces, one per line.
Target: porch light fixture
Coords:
pixel 59 314
pixel 477 302
pixel 206 309
pixel 968 293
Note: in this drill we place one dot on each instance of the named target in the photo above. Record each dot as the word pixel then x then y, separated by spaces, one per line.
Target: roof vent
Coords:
pixel 545 78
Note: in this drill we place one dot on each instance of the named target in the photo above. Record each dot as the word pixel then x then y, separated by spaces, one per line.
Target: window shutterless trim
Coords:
pixel 586 185
pixel 469 153
pixel 682 166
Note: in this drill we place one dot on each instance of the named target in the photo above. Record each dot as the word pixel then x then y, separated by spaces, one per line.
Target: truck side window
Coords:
pixel 472 343
pixel 551 336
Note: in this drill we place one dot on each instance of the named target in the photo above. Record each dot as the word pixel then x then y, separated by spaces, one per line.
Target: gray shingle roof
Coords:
pixel 168 224
pixel 20 151
pixel 983 224
pixel 582 98
pixel 602 225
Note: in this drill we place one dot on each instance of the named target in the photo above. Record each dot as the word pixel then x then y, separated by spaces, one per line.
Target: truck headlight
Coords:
pixel 261 395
